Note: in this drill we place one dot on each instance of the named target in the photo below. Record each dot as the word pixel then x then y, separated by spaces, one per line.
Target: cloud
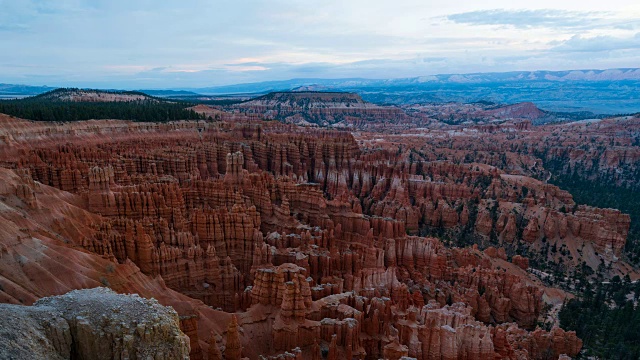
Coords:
pixel 151 43
pixel 542 18
pixel 577 43
pixel 13 27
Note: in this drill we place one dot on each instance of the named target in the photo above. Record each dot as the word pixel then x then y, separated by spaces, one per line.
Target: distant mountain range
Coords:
pixel 631 74
pixel 12 91
pixel 612 91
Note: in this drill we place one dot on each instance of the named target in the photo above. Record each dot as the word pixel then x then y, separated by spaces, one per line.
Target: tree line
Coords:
pixel 147 110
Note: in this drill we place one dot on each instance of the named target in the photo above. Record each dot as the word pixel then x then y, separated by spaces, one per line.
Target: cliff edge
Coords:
pixel 91 324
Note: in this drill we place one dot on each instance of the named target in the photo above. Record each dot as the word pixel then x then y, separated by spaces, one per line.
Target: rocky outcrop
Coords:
pixel 521 262
pixel 511 342
pixel 34 333
pixel 449 333
pixel 485 117
pixel 92 324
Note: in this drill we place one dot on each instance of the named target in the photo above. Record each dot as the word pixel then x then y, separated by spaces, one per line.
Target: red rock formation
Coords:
pixel 531 231
pixel 448 333
pixel 320 108
pixel 301 237
pixel 214 351
pixel 333 349
pixel 189 326
pixel 513 343
pixel 521 262
pixel 233 348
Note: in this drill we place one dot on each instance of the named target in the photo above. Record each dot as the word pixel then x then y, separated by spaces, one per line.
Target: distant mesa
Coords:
pixel 89 95
pixel 317 108
pixel 313 98
pixel 525 110
pixel 169 93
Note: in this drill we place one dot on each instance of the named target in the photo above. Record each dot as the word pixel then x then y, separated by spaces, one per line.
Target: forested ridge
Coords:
pixel 607 319
pixel 606 315
pixel 50 107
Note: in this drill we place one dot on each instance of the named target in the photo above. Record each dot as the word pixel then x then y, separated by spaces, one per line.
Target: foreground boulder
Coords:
pixel 91 324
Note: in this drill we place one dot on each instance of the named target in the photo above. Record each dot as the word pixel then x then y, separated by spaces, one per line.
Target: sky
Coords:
pixel 134 44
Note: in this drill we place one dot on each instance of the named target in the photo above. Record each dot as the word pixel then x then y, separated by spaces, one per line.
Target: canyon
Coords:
pixel 291 242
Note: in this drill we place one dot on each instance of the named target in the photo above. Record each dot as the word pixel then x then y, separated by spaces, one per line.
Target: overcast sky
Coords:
pixel 194 43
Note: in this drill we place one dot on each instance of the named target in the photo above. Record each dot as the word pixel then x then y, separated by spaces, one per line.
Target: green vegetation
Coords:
pixel 606 316
pixel 217 102
pixel 50 107
pixel 606 195
pixel 607 319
